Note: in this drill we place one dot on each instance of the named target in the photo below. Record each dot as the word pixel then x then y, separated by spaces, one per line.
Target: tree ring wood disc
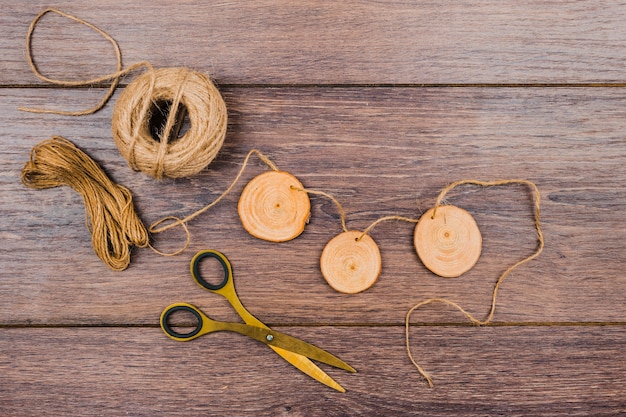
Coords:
pixel 450 244
pixel 350 266
pixel 270 209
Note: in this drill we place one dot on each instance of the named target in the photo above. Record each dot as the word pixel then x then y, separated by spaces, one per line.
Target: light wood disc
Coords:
pixel 270 209
pixel 450 244
pixel 348 265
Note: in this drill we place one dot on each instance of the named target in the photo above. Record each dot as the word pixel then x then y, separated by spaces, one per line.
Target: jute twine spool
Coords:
pixel 111 217
pixel 166 155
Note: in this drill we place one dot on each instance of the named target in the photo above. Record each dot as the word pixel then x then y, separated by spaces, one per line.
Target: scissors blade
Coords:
pixel 302 362
pixel 295 345
pixel 305 365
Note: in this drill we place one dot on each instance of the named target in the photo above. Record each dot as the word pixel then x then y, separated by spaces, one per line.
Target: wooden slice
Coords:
pixel 270 209
pixel 450 244
pixel 351 266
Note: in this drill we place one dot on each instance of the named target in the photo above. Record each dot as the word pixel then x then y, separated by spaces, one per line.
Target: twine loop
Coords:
pixel 183 91
pixel 494 295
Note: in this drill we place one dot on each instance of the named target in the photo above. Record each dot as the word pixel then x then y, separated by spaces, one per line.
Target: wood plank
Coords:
pixel 287 42
pixel 539 371
pixel 380 152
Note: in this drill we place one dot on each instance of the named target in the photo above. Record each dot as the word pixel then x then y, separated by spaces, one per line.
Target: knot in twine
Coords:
pixel 181 89
pixel 168 155
pixel 109 209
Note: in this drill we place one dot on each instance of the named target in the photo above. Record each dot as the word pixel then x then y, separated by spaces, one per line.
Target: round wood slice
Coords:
pixel 348 265
pixel 270 209
pixel 450 244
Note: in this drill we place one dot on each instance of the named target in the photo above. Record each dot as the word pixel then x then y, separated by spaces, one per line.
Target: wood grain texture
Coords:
pixel 539 371
pixel 286 42
pixel 381 104
pixel 380 152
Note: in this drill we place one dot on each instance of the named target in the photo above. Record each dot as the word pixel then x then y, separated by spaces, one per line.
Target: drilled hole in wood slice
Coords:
pixel 350 265
pixel 271 209
pixel 450 244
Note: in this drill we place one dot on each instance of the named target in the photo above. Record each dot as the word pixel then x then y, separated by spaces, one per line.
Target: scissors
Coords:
pixel 293 350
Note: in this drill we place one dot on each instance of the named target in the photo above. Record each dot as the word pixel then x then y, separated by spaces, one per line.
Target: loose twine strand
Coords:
pixel 540 246
pixel 113 77
pixel 193 92
pixel 176 221
pixel 342 212
pixel 110 214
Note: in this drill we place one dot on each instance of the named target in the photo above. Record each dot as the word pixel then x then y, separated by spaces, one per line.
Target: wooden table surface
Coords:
pixel 381 104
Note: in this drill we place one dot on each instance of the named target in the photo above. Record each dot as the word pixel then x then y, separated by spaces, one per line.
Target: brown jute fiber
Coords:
pixel 540 246
pixel 110 214
pixel 342 213
pixel 169 222
pixel 114 77
pixel 191 92
pixel 170 156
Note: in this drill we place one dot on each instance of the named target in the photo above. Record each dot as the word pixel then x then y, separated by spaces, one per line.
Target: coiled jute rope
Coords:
pixel 110 214
pixel 166 155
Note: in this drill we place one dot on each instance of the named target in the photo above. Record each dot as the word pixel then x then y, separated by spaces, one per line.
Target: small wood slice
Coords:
pixel 450 244
pixel 270 209
pixel 351 266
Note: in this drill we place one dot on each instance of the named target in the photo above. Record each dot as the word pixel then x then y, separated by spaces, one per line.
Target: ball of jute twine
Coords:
pixel 170 156
pixel 166 155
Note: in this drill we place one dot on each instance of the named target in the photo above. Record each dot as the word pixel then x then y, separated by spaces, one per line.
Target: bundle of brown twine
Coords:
pixel 191 92
pixel 110 214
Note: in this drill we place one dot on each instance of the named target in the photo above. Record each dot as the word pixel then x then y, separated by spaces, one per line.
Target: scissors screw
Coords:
pixel 269 337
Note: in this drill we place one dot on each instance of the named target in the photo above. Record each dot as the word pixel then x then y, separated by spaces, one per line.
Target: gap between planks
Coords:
pixel 275 325
pixel 358 85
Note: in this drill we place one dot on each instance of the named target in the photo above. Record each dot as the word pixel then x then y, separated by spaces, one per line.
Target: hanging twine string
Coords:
pixel 369 228
pixel 110 214
pixel 111 218
pixel 173 221
pixel 342 213
pixel 182 90
pixel 540 246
